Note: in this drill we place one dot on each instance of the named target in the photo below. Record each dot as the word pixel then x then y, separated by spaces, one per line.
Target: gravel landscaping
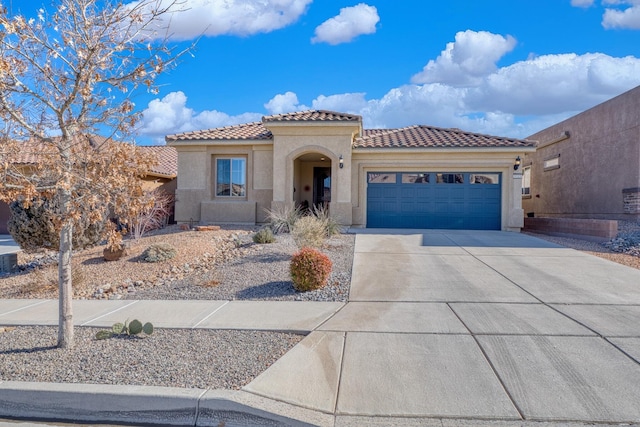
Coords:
pixel 213 265
pixel 223 264
pixel 206 359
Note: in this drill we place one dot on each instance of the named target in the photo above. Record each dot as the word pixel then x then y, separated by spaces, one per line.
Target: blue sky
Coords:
pixel 502 67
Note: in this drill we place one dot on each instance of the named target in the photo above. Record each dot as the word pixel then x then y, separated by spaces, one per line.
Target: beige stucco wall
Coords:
pixel 440 161
pixel 195 196
pixel 331 140
pixel 599 159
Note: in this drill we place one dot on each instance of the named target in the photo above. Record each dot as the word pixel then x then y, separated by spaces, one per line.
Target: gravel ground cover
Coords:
pixel 206 359
pixel 223 265
pixel 261 274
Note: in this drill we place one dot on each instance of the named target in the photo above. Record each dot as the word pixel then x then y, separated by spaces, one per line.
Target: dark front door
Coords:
pixel 321 187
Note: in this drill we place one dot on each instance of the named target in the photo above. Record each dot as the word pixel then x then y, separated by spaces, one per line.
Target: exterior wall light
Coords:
pixel 516 165
pixel 341 160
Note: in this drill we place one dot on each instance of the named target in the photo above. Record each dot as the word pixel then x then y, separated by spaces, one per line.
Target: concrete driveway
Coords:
pixel 471 325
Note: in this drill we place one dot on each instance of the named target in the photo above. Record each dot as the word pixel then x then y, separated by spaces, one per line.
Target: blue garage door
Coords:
pixel 447 200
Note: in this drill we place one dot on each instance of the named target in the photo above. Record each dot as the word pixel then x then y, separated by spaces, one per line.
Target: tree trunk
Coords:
pixel 65 313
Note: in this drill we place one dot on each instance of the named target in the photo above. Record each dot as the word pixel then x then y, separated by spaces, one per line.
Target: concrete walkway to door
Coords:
pixel 448 326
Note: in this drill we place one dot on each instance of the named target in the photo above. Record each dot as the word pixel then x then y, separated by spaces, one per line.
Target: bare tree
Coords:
pixel 65 77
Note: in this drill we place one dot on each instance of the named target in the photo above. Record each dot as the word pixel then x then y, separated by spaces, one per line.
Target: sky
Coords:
pixel 500 67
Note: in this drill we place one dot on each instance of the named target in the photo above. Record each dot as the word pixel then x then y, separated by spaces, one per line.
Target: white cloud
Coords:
pixel 349 24
pixel 345 103
pixel 466 61
pixel 552 84
pixel 515 100
pixel 171 115
pixel 284 103
pixel 231 17
pixel 628 18
pixel 582 3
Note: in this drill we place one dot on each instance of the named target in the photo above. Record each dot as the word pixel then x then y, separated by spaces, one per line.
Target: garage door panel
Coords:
pixel 449 205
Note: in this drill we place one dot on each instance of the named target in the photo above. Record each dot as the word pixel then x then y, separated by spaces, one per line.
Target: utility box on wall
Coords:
pixel 8 262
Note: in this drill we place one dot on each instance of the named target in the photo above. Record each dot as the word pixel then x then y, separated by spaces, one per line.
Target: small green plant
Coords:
pixel 159 252
pixel 309 269
pixel 135 327
pixel 309 231
pixel 264 235
pixel 282 219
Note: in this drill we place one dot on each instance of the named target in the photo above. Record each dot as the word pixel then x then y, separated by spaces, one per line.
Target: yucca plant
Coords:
pixel 283 218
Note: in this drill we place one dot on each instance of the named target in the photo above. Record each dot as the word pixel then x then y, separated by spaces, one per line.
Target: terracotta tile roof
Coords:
pixel 419 136
pixel 374 132
pixel 255 130
pixel 31 151
pixel 167 158
pixel 313 116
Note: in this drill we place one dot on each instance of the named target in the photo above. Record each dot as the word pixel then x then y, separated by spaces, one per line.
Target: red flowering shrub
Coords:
pixel 309 269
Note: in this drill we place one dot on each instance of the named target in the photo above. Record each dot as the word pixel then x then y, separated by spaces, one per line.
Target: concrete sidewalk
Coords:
pixel 442 328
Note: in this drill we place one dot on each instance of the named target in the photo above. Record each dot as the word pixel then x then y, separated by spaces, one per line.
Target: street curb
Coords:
pixel 149 405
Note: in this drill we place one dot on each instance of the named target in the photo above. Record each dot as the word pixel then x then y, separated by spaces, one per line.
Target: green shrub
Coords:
pixel 309 269
pixel 309 231
pixel 159 252
pixel 264 235
pixel 282 219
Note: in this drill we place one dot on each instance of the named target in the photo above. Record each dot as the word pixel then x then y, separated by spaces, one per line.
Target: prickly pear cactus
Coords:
pixel 135 327
pixel 103 335
pixel 119 328
pixel 147 328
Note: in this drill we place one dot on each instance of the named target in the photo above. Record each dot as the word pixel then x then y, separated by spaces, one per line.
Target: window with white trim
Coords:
pixel 552 163
pixel 231 177
pixel 526 181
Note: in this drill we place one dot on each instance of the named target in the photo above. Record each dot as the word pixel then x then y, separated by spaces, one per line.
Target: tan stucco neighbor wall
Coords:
pixel 599 157
pixel 440 161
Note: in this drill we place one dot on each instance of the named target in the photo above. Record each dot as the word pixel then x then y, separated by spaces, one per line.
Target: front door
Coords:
pixel 321 187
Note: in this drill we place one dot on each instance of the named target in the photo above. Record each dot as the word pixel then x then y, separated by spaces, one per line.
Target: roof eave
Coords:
pixel 162 175
pixel 441 149
pixel 211 142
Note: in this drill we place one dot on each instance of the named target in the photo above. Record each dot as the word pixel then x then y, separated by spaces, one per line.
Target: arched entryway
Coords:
pixel 312 180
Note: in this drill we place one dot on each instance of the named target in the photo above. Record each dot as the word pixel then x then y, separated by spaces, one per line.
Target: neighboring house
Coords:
pixel 162 175
pixel 587 166
pixel 413 177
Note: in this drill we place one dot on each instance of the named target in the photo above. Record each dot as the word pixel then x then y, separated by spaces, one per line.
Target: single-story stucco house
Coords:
pixel 587 166
pixel 413 177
